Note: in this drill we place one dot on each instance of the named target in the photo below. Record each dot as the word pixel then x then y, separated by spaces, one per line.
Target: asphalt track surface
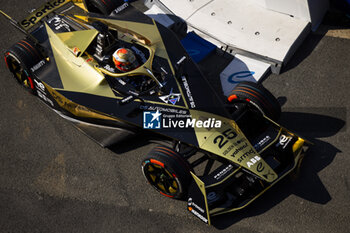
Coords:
pixel 55 179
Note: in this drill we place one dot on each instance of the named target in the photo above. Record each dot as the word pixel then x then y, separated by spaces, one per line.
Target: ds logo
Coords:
pixel 152 120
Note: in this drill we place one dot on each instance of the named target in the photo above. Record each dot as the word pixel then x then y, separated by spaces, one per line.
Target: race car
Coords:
pixel 116 73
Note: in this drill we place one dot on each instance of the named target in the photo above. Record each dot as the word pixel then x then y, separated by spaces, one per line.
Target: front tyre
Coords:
pixel 19 59
pixel 167 171
pixel 104 7
pixel 258 96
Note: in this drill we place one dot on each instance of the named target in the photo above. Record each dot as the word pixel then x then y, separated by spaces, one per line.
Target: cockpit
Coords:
pixel 128 64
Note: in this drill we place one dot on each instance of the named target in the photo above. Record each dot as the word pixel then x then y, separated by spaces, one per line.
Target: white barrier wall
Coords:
pixel 310 10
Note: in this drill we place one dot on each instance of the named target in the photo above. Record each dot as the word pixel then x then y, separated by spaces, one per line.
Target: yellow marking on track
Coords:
pixel 52 179
pixel 344 33
pixel 335 32
pixel 20 104
pixel 26 133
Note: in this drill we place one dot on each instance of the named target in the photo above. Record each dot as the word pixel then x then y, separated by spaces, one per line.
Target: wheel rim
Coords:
pixel 161 179
pixel 19 73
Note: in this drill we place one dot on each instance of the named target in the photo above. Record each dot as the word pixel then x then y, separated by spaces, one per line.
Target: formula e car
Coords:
pixel 219 154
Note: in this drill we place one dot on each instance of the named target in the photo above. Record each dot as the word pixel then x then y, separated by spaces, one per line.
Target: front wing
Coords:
pixel 231 188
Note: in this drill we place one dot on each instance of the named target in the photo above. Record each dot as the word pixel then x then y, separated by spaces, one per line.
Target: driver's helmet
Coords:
pixel 125 60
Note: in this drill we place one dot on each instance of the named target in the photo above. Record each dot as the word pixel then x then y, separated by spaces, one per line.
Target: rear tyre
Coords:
pixel 104 7
pixel 167 171
pixel 258 96
pixel 19 59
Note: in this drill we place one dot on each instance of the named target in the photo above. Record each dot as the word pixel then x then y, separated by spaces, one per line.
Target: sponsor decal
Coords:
pixel 201 217
pixel 40 90
pixel 284 141
pixel 58 23
pixel 238 149
pixel 161 109
pixel 223 172
pixel 127 99
pixel 152 120
pixel 188 92
pixel 235 147
pixel 191 204
pixel 172 98
pixel 43 96
pixel 109 68
pixel 262 142
pixel 253 161
pixel 246 155
pixel 39 85
pixel 38 66
pixel 42 12
pixel 240 75
pixel 121 8
pixel 260 167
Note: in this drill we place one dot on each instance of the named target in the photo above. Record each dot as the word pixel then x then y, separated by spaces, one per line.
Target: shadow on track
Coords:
pixel 308 185
pixel 310 123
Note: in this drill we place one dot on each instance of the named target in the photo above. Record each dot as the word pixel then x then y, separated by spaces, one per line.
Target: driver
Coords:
pixel 125 60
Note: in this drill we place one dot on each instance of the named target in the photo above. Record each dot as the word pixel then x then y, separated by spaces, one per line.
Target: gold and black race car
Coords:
pixel 219 154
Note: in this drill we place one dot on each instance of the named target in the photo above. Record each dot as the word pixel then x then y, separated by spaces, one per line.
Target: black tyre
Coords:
pixel 19 59
pixel 258 96
pixel 104 7
pixel 167 172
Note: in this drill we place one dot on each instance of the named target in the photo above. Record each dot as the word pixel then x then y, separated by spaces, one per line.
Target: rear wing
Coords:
pixel 36 16
pixel 41 12
pixel 46 9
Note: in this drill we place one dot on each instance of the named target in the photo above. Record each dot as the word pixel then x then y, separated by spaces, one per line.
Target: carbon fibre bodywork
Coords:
pixel 80 85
